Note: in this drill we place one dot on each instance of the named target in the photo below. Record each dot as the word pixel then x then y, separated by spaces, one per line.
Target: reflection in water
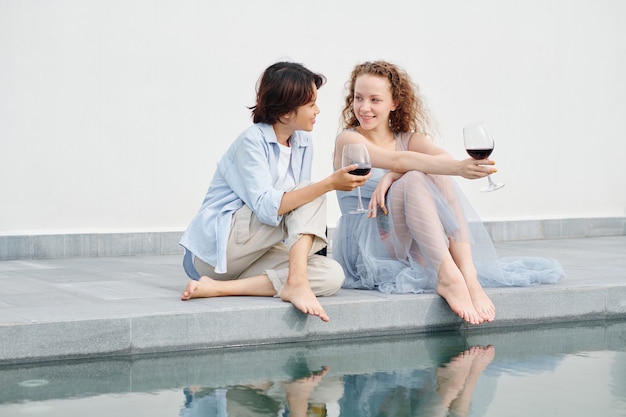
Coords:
pixel 439 391
pixel 304 395
pixel 567 370
pixel 418 392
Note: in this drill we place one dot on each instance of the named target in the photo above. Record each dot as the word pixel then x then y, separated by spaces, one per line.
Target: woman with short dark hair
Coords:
pixel 262 220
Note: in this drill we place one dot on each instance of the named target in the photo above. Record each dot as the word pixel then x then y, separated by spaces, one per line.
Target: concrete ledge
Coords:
pixel 269 321
pixel 63 308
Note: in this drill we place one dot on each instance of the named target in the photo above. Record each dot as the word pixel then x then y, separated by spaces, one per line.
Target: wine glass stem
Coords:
pixel 490 182
pixel 360 203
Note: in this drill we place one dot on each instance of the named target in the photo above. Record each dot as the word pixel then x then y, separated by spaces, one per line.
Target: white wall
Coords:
pixel 114 113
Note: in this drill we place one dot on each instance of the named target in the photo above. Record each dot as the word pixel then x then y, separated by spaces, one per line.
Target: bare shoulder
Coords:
pixel 422 143
pixel 418 138
pixel 344 138
pixel 349 136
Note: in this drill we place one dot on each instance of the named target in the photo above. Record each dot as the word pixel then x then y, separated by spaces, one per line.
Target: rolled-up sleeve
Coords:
pixel 245 174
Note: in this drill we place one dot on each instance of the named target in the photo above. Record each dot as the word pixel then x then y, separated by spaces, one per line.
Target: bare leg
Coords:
pixel 451 378
pixel 462 254
pixel 481 358
pixel 461 251
pixel 299 391
pixel 457 379
pixel 457 282
pixel 206 287
pixel 297 289
pixel 414 206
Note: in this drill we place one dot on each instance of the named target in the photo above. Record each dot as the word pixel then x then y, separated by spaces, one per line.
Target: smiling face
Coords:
pixel 303 117
pixel 373 102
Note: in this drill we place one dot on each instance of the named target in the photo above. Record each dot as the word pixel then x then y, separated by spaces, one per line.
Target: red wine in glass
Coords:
pixel 479 144
pixel 356 153
pixel 479 153
pixel 360 171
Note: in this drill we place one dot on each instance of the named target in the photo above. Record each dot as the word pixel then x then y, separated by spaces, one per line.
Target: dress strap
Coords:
pixel 402 140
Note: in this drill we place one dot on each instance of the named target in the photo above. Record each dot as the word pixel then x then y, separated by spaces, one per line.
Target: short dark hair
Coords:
pixel 283 87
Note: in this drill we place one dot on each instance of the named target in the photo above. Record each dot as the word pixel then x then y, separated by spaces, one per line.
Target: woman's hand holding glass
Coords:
pixel 356 153
pixel 343 180
pixel 473 169
pixel 479 144
pixel 378 196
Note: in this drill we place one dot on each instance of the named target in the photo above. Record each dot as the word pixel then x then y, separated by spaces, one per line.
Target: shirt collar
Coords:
pixel 298 139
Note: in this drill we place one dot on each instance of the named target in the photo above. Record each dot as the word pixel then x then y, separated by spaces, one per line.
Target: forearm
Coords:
pixel 392 176
pixel 293 199
pixel 441 164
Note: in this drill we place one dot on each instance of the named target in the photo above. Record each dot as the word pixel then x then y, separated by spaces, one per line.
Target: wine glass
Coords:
pixel 479 145
pixel 356 153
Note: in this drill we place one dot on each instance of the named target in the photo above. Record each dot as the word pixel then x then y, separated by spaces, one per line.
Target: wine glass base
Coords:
pixel 492 187
pixel 358 211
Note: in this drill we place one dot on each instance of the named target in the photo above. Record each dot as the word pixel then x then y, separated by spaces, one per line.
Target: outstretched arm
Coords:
pixel 423 155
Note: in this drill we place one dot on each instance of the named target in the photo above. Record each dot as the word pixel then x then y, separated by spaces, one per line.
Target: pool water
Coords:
pixel 573 370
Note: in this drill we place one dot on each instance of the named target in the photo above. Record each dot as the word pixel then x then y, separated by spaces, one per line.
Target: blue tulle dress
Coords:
pixel 401 252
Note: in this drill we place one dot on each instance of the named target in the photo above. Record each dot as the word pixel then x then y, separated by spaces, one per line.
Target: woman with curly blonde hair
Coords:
pixel 420 233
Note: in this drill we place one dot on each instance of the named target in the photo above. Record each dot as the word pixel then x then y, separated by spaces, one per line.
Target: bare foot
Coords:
pixel 482 303
pixel 483 356
pixel 451 286
pixel 302 297
pixel 203 288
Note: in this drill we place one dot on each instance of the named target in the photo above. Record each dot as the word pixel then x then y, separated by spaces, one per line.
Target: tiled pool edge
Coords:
pixel 48 246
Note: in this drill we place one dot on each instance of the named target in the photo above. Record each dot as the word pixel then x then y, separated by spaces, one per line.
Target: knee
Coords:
pixel 332 276
pixel 414 177
pixel 337 276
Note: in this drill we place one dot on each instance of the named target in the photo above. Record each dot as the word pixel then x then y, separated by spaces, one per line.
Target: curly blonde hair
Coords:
pixel 411 114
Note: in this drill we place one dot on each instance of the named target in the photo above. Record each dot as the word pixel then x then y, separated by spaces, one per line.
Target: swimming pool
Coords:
pixel 565 370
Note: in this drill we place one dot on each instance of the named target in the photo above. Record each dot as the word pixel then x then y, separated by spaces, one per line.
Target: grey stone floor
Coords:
pixel 93 307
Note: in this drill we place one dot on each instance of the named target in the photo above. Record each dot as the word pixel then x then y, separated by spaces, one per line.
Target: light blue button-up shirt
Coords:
pixel 245 174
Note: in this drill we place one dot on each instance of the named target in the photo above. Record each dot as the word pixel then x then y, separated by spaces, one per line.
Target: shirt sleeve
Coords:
pixel 250 175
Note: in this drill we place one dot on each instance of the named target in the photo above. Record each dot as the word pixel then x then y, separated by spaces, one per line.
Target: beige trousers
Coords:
pixel 255 248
